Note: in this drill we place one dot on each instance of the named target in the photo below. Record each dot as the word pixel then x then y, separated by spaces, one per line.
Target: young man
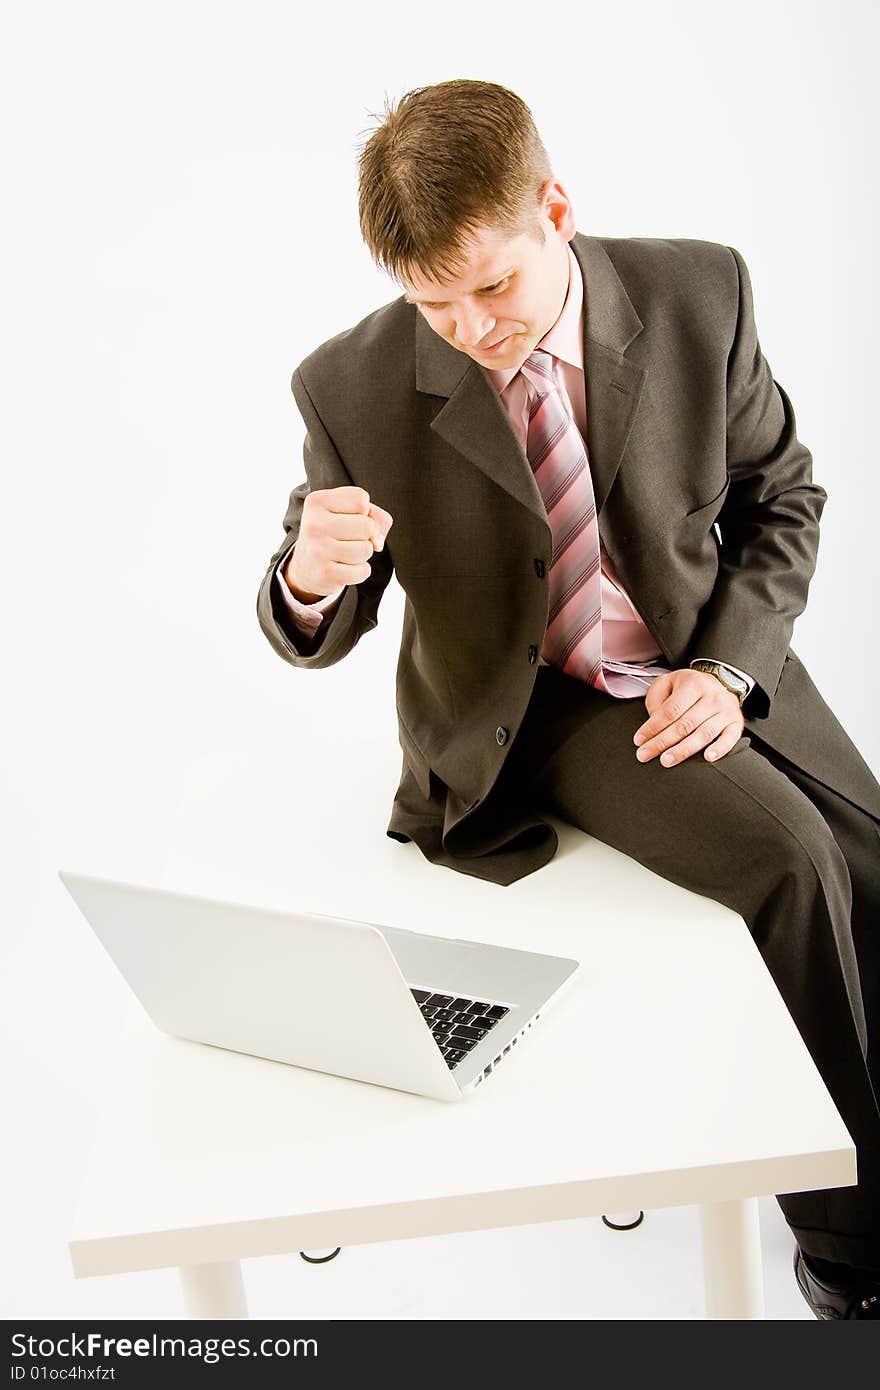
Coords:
pixel 573 455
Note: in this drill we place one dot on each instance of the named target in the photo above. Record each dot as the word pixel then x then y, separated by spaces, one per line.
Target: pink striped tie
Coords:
pixel 558 457
pixel 556 451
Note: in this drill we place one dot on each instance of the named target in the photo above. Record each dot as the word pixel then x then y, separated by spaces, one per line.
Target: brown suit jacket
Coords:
pixel 686 428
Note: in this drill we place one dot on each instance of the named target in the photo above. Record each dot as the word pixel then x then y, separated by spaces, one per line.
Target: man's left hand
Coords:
pixel 689 710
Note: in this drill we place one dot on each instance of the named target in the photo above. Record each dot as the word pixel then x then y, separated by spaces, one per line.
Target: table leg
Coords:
pixel 732 1269
pixel 214 1290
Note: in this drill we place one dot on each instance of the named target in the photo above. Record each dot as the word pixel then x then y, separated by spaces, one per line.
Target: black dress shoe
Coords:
pixel 834 1301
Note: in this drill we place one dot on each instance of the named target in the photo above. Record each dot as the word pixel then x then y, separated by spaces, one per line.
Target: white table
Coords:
pixel 669 1073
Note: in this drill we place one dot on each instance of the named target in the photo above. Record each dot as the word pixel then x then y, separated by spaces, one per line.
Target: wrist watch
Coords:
pixel 728 677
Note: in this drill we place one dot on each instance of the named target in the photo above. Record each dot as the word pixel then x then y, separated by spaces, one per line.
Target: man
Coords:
pixel 574 457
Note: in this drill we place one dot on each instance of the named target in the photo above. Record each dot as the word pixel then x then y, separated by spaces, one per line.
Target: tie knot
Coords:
pixel 538 369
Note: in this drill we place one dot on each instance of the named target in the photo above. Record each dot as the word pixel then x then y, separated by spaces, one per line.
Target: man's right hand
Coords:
pixel 339 530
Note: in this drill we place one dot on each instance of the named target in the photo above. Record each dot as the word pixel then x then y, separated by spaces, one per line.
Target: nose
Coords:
pixel 473 326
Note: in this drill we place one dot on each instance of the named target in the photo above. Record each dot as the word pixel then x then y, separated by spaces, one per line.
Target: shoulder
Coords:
pixel 671 261
pixel 682 284
pixel 360 355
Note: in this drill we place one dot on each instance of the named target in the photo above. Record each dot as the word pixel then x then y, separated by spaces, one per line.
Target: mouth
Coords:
pixel 494 347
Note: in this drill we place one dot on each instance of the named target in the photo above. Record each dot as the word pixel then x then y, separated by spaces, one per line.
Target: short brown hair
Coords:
pixel 448 159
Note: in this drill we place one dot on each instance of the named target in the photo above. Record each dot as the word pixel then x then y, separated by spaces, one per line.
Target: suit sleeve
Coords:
pixel 356 612
pixel 769 523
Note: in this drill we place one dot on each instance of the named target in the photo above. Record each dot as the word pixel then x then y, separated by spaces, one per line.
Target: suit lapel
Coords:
pixel 474 422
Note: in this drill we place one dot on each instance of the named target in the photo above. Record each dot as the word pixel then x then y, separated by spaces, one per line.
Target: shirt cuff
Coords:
pixel 745 675
pixel 308 616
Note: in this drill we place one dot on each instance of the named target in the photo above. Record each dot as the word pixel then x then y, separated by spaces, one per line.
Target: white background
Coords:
pixel 180 230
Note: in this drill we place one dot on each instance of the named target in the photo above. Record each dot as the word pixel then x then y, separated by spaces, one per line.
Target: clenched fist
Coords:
pixel 339 530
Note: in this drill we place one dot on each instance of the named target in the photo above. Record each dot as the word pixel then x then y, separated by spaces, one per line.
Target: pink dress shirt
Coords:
pixel 626 640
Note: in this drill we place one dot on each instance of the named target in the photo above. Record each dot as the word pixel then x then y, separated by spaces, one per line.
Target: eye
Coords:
pixel 490 289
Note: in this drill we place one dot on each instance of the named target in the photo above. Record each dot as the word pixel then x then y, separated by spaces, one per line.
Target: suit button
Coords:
pixel 533 655
pixel 502 734
pixel 540 568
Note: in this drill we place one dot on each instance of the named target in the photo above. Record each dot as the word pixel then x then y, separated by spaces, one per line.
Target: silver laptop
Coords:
pixel 396 1008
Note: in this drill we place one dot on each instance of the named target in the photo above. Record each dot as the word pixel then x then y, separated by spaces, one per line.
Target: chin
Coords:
pixel 517 352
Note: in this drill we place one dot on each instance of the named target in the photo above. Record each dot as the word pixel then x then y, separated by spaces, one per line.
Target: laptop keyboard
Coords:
pixel 458 1023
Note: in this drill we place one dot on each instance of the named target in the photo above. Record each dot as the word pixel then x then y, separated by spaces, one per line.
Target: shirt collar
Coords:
pixel 566 337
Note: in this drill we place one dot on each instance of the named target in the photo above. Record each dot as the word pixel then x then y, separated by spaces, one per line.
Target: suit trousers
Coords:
pixel 796 860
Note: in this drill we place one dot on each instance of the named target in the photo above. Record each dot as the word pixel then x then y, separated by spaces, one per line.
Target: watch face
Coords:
pixel 736 683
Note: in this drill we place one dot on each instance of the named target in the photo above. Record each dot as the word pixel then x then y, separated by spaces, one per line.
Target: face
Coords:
pixel 510 293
